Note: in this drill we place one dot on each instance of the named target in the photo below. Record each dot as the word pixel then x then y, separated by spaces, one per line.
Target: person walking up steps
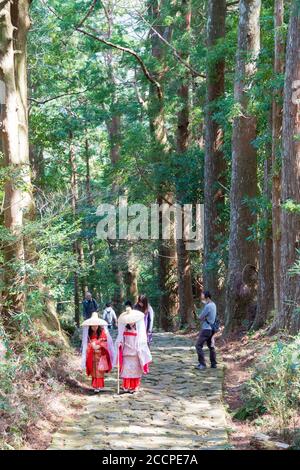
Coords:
pixel 208 318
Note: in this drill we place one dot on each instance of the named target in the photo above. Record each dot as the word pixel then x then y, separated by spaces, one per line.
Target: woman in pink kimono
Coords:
pixel 132 352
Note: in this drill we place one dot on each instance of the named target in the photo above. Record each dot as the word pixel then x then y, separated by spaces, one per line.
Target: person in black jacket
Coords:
pixel 89 305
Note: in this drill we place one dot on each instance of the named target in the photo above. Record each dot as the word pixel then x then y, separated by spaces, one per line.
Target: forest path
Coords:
pixel 178 407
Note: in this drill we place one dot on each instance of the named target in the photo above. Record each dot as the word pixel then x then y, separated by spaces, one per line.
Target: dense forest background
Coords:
pixel 183 101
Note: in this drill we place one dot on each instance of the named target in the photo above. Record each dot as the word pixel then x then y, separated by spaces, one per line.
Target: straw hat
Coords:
pixel 130 316
pixel 94 321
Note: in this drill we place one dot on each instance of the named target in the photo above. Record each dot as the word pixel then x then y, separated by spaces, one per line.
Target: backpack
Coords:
pixel 214 326
pixel 108 316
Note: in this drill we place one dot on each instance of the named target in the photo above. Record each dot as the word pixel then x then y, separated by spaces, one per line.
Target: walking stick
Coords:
pixel 118 369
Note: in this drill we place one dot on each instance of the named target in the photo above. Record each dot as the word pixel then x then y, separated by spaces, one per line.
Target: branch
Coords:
pixel 175 52
pixel 89 12
pixel 52 10
pixel 56 97
pixel 128 51
pixel 114 46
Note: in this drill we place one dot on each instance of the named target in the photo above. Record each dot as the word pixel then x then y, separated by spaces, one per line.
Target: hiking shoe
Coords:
pixel 214 366
pixel 200 367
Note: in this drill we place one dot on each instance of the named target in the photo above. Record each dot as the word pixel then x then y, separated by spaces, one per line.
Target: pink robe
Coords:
pixel 98 362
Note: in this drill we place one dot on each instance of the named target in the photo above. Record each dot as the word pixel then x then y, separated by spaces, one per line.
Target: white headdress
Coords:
pixel 94 320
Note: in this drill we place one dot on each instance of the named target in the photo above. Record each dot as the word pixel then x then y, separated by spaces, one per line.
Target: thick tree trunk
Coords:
pixel 242 252
pixel 160 153
pixel 215 165
pixel 185 291
pixel 18 204
pixel 14 130
pixel 289 316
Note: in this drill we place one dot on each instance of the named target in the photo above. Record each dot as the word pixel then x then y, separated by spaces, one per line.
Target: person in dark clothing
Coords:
pixel 207 317
pixel 89 305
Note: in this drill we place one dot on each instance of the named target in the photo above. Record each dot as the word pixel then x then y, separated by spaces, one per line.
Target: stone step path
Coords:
pixel 178 407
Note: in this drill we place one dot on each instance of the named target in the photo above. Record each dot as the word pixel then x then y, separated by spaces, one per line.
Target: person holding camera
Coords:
pixel 209 326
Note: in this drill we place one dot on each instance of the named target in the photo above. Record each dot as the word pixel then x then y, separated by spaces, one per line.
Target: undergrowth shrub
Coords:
pixel 26 369
pixel 274 387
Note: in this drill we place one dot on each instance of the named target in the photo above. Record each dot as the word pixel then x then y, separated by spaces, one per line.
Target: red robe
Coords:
pixel 98 362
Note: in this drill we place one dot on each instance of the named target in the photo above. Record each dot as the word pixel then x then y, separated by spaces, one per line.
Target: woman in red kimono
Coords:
pixel 97 350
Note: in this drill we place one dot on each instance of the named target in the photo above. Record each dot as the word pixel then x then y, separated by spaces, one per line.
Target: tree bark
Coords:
pixel 288 316
pixel 89 202
pixel 265 293
pixel 14 130
pixel 215 165
pixel 117 266
pixel 160 153
pixel 19 204
pixel 131 276
pixel 115 246
pixel 74 201
pixel 242 252
pixel 36 159
pixel 276 151
pixel 185 291
pixel 168 276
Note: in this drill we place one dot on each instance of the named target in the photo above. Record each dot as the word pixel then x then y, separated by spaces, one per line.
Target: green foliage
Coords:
pixel 291 206
pixel 250 410
pixel 275 385
pixel 24 371
pixel 35 352
pixel 295 270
